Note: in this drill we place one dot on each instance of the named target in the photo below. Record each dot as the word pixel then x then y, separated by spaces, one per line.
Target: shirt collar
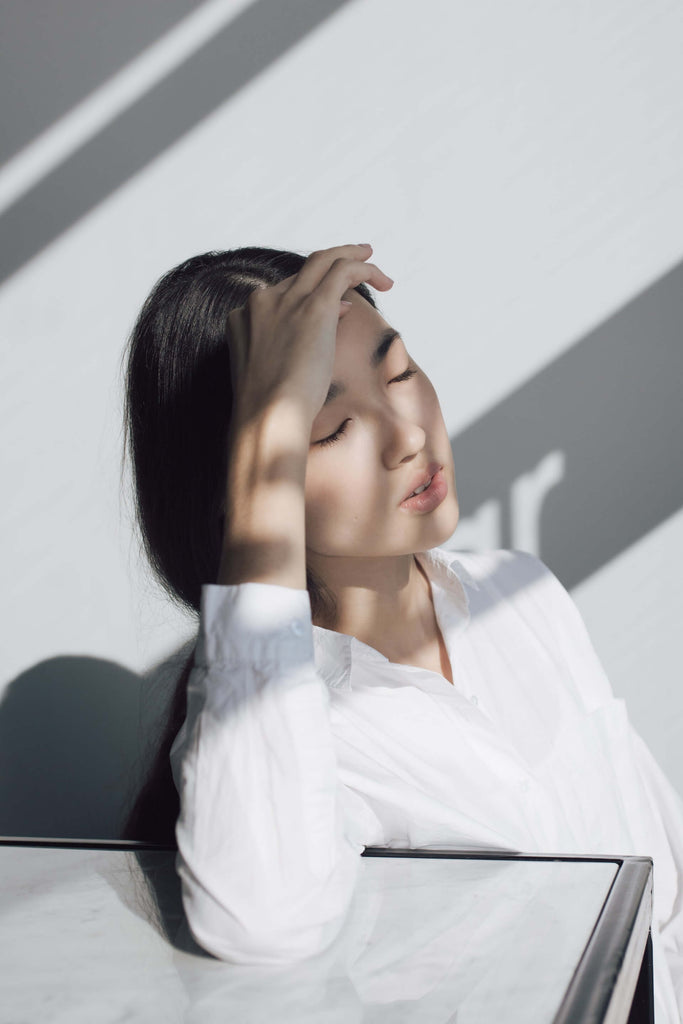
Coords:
pixel 335 653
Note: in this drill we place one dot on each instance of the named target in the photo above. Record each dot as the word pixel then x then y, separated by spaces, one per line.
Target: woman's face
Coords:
pixel 378 438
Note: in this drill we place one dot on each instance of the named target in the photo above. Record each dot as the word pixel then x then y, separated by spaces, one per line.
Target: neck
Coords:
pixel 385 602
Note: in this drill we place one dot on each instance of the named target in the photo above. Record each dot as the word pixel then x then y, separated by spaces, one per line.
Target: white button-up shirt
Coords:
pixel 303 746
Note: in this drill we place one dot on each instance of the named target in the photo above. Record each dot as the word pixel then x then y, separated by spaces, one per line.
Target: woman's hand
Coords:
pixel 282 342
pixel 282 347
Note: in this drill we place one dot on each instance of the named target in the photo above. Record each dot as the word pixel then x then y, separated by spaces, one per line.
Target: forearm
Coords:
pixel 264 537
pixel 267 869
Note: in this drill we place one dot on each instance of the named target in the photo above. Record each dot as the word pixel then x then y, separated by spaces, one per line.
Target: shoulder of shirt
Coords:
pixel 482 560
pixel 520 583
pixel 507 573
pixel 476 567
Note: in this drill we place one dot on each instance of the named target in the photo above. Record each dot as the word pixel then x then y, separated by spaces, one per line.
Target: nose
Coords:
pixel 403 439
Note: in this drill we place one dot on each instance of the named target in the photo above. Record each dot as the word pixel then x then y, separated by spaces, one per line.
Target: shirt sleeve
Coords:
pixel 266 853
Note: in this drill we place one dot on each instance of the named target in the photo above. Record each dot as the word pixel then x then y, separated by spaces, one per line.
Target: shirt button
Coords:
pixel 297 628
pixel 474 700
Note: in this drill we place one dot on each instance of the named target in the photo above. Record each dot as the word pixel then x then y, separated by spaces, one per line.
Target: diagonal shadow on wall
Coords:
pixel 612 407
pixel 55 53
pixel 251 42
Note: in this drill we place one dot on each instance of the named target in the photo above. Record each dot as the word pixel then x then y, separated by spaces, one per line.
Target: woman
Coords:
pixel 353 685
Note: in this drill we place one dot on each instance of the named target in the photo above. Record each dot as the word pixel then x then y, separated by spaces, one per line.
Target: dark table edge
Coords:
pixel 370 851
pixel 590 991
pixel 84 844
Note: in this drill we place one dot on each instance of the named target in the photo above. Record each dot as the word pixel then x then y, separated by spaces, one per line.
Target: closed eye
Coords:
pixel 331 438
pixel 406 375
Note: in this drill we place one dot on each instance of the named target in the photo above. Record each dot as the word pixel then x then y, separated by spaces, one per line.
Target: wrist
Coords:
pixel 264 537
pixel 284 422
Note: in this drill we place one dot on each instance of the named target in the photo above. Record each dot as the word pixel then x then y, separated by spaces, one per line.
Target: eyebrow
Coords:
pixel 384 343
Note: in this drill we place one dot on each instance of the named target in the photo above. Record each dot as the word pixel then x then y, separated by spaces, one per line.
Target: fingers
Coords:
pixel 320 284
pixel 319 262
pixel 348 264
pixel 316 266
pixel 345 274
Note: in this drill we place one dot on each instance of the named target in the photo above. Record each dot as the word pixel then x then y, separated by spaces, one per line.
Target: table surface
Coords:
pixel 97 935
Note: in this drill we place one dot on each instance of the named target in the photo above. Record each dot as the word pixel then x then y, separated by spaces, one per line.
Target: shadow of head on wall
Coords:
pixel 75 736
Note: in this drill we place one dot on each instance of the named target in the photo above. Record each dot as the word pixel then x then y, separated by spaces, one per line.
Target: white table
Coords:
pixel 94 933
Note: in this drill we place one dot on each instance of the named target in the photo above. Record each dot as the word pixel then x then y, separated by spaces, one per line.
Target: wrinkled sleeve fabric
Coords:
pixel 267 853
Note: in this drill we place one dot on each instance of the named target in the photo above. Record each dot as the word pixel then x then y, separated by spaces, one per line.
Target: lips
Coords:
pixel 427 498
pixel 419 490
pixel 422 481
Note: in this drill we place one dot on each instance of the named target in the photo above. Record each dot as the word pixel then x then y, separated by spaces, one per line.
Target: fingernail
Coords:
pixel 345 302
pixel 365 245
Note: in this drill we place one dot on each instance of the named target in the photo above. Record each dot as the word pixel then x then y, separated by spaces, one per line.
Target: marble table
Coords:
pixel 94 932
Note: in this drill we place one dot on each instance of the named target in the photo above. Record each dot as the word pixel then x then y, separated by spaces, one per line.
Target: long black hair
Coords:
pixel 177 416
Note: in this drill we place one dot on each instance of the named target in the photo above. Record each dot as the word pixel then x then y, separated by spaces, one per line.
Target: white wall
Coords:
pixel 518 168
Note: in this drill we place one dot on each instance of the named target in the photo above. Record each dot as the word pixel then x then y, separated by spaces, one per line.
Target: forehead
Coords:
pixel 359 330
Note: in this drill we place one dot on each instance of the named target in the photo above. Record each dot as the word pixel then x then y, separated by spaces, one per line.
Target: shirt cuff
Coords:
pixel 259 623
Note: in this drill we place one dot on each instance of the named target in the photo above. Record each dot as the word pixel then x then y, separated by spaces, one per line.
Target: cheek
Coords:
pixel 342 497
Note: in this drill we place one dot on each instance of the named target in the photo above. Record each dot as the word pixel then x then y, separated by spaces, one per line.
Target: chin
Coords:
pixel 440 526
pixel 440 537
pixel 450 519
